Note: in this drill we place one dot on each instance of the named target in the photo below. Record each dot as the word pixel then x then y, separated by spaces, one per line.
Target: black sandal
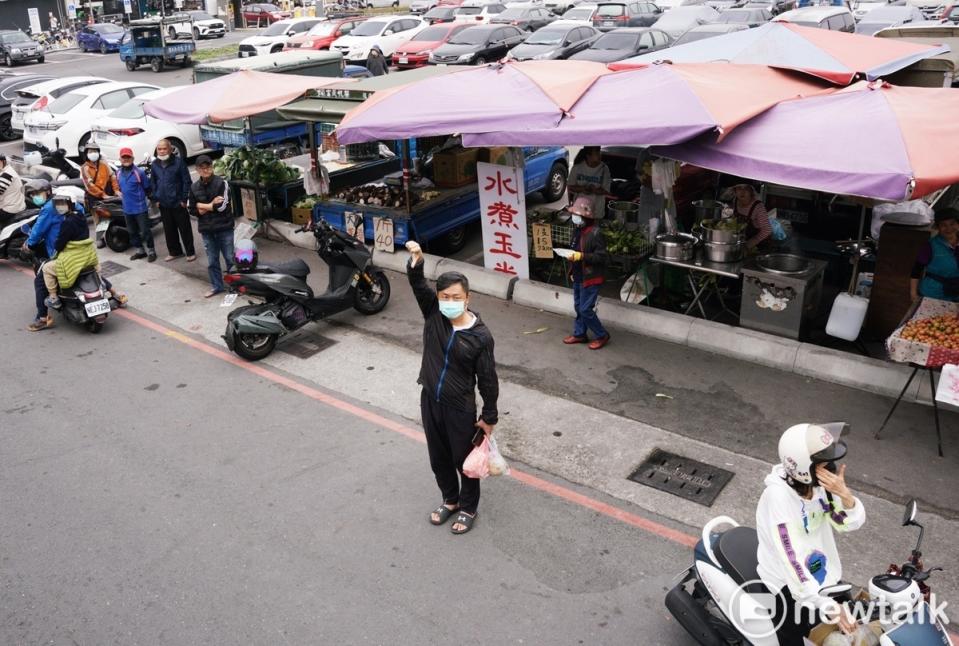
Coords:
pixel 443 512
pixel 463 519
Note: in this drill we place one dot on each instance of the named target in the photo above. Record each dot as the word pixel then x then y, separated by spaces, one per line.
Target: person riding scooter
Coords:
pixel 806 499
pixel 74 252
pixel 42 239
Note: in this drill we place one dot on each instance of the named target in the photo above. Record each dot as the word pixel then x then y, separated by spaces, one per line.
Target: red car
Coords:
pixel 416 52
pixel 323 34
pixel 263 14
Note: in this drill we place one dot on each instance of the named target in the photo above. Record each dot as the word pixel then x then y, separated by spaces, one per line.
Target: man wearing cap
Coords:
pixel 135 189
pixel 97 180
pixel 209 201
pixel 587 264
pixel 11 191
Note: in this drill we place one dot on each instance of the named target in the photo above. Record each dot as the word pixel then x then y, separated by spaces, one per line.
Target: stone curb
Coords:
pixel 825 364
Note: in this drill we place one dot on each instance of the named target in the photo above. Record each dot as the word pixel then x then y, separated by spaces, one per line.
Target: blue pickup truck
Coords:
pixel 440 223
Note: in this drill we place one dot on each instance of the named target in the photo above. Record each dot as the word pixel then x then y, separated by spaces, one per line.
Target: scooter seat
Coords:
pixel 296 267
pixel 736 551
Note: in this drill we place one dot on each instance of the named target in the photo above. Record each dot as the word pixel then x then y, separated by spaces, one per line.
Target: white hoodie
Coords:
pixel 796 544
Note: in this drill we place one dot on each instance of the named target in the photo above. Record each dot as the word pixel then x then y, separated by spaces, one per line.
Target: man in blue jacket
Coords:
pixel 45 230
pixel 135 190
pixel 171 189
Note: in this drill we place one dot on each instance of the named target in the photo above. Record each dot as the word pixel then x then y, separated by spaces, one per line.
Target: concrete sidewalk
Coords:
pixel 591 417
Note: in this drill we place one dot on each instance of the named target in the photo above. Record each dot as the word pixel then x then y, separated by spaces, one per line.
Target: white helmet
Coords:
pixel 803 446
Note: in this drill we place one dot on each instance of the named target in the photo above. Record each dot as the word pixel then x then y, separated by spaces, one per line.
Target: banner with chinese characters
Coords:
pixel 503 214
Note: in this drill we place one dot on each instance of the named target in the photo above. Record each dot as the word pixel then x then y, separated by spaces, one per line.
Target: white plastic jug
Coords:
pixel 845 319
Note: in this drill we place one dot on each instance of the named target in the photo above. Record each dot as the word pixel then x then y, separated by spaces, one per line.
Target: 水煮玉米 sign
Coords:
pixel 503 215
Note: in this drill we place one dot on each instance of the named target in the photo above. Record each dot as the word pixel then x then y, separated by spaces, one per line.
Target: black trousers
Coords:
pixel 176 226
pixel 796 624
pixel 449 437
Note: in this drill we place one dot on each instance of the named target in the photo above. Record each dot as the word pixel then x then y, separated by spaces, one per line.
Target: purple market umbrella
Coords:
pixel 871 140
pixel 661 105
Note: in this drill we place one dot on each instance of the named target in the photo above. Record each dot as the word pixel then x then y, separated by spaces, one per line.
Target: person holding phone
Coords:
pixel 457 359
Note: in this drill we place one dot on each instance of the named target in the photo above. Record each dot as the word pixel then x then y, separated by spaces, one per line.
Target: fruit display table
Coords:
pixel 927 338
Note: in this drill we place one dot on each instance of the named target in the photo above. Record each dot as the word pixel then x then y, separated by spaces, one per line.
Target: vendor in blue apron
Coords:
pixel 936 272
pixel 587 263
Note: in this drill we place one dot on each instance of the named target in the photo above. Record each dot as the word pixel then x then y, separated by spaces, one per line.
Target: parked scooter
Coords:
pixel 114 223
pixel 253 330
pixel 721 600
pixel 38 161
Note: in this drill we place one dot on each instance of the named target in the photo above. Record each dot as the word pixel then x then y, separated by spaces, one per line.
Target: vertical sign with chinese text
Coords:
pixel 503 214
pixel 542 240
pixel 34 15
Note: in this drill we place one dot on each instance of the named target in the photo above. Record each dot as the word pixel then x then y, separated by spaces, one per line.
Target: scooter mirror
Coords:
pixel 912 509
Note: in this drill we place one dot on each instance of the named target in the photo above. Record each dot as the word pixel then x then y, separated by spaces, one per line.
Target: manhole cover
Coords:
pixel 683 477
pixel 110 268
pixel 306 346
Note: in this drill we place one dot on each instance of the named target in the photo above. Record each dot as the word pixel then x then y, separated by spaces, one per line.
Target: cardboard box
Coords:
pixel 457 167
pixel 301 216
pixel 494 155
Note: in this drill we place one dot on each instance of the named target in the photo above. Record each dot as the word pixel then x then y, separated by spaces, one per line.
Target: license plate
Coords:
pixel 228 300
pixel 608 23
pixel 103 226
pixel 244 54
pixel 96 308
pixel 404 60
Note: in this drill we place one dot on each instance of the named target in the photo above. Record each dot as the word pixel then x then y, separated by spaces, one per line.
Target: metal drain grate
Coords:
pixel 110 268
pixel 305 346
pixel 683 477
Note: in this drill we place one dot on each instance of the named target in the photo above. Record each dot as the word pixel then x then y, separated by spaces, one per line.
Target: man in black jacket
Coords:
pixel 457 357
pixel 171 189
pixel 587 266
pixel 209 201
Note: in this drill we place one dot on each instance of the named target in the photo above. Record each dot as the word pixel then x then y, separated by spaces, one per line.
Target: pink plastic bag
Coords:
pixel 476 464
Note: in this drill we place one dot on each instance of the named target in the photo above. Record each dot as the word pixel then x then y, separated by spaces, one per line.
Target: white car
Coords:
pixel 559 7
pixel 678 21
pixel 201 23
pixel 274 38
pixel 422 6
pixel 129 127
pixel 67 121
pixel 476 13
pixel 581 14
pixel 388 32
pixel 39 96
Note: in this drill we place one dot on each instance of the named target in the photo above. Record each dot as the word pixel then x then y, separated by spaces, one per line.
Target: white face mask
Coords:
pixel 62 209
pixel 163 157
pixel 93 156
pixel 578 220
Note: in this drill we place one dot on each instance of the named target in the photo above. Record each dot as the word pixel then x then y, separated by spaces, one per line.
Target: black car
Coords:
pixel 9 84
pixel 478 45
pixel 624 43
pixel 528 18
pixel 749 16
pixel 17 47
pixel 612 15
pixel 554 42
pixel 440 14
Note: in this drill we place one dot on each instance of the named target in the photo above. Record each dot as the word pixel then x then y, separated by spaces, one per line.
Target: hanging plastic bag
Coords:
pixel 476 464
pixel 779 231
pixel 497 463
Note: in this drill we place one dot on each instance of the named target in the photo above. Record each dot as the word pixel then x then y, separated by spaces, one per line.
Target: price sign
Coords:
pixel 383 235
pixel 542 240
pixel 353 223
pixel 248 202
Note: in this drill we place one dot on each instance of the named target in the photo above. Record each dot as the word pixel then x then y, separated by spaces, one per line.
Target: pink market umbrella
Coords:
pixel 512 95
pixel 871 140
pixel 234 96
pixel 835 56
pixel 660 105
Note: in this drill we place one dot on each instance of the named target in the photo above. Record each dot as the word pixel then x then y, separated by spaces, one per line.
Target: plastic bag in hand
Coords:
pixel 497 463
pixel 477 462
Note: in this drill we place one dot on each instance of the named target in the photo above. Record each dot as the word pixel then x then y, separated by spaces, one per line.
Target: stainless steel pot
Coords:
pixel 784 263
pixel 625 212
pixel 724 251
pixel 676 246
pixel 707 209
pixel 709 234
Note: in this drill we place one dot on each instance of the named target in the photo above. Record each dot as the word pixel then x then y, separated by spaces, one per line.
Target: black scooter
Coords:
pixel 253 330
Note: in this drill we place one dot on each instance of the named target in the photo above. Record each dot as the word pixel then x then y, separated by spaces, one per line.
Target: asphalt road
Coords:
pixel 154 493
